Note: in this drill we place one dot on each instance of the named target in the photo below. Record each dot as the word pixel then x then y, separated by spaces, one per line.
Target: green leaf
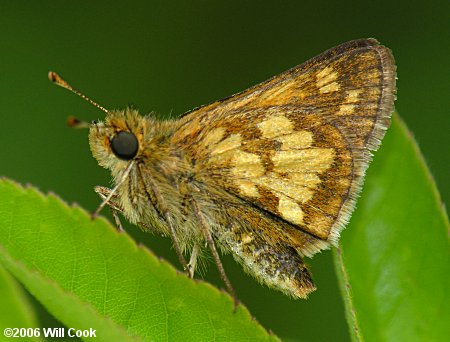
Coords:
pixel 90 276
pixel 15 309
pixel 394 260
pixel 69 308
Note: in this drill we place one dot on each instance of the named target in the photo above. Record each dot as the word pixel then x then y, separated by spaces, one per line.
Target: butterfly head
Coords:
pixel 115 141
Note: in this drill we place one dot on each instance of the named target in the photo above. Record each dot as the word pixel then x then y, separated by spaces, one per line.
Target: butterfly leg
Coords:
pixel 112 192
pixel 104 193
pixel 176 245
pixel 209 240
pixel 193 260
pixel 116 217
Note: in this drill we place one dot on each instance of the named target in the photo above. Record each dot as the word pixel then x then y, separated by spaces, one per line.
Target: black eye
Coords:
pixel 124 145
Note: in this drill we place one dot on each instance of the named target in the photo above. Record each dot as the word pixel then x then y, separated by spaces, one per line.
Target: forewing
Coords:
pixel 297 145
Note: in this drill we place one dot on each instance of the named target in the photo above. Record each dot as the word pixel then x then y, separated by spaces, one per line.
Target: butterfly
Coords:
pixel 270 175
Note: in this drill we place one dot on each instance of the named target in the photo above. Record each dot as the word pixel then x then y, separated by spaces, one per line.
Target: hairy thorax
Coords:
pixel 161 180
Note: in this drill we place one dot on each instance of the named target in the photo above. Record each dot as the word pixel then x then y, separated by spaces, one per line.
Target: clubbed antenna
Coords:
pixel 55 78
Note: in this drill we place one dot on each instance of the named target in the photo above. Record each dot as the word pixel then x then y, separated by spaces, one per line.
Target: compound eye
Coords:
pixel 125 145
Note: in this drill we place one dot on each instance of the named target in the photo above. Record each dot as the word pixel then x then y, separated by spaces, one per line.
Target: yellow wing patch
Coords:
pixel 290 210
pixel 230 143
pixel 326 80
pixel 303 160
pixel 275 126
pixel 296 140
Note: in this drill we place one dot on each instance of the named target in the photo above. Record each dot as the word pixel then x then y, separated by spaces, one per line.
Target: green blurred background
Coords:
pixel 169 57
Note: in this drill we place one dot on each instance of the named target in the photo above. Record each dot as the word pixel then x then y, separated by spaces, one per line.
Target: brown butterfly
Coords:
pixel 270 175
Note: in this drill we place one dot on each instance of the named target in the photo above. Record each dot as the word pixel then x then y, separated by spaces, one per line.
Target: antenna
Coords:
pixel 56 79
